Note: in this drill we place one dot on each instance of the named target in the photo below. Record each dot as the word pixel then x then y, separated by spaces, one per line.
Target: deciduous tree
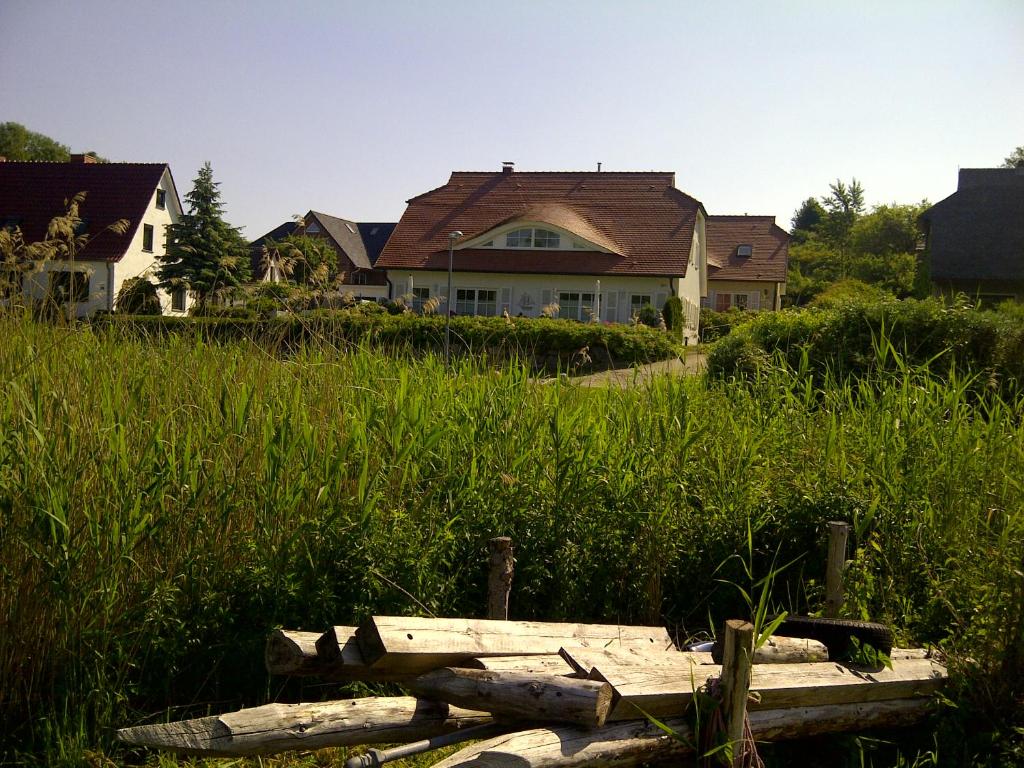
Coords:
pixel 1015 159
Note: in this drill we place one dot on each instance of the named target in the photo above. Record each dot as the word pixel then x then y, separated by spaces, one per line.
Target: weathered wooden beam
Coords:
pixel 499 581
pixel 290 652
pixel 417 645
pixel 547 663
pixel 584 660
pixel 737 661
pixel 519 695
pixel 837 533
pixel 637 742
pixel 280 727
pixel 662 693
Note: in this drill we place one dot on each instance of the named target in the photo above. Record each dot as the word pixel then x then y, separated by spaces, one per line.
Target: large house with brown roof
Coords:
pixel 747 261
pixel 594 245
pixel 358 245
pixel 33 193
pixel 587 245
pixel 975 237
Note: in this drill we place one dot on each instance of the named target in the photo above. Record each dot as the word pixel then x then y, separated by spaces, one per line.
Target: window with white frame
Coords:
pixel 476 301
pixel 575 306
pixel 161 199
pixel 178 297
pixel 636 301
pixel 420 296
pixel 147 238
pixel 532 237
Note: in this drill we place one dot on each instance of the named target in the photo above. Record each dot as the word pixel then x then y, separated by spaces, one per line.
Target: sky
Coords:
pixel 351 108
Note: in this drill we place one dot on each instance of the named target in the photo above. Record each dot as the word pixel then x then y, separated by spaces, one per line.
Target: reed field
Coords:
pixel 165 502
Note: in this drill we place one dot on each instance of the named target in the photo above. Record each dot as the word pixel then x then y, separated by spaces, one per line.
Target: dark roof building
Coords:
pixel 975 237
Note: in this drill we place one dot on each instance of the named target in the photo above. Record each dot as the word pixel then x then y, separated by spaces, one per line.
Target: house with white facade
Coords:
pixel 33 193
pixel 748 257
pixel 587 245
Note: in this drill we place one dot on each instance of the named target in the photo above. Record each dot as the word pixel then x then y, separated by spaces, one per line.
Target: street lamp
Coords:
pixel 448 302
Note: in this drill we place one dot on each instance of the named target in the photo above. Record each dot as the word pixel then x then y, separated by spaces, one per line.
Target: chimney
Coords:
pixel 82 159
pixel 507 166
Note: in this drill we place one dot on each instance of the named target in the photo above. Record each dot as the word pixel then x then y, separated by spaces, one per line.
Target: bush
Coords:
pixel 673 313
pixel 549 345
pixel 849 290
pixel 714 325
pixel 138 296
pixel 649 316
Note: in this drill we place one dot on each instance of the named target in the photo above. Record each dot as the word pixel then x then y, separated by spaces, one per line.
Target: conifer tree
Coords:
pixel 204 253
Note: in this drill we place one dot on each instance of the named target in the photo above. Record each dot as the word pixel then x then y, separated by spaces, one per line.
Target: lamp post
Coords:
pixel 452 237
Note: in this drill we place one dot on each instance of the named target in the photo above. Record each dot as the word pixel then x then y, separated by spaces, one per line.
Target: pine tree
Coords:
pixel 204 254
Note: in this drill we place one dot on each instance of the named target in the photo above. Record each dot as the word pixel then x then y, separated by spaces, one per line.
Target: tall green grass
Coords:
pixel 164 503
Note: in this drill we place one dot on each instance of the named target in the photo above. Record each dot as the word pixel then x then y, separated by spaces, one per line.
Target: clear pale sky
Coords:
pixel 353 107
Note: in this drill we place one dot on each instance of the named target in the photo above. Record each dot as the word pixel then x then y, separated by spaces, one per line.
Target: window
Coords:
pixel 636 301
pixel 147 238
pixel 744 250
pixel 519 238
pixel 178 297
pixel 360 278
pixel 576 306
pixel 161 199
pixel 312 228
pixel 69 287
pixel 739 300
pixel 473 301
pixel 420 296
pixel 533 238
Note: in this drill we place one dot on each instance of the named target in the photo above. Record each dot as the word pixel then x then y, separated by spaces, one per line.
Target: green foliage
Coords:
pixel 846 291
pixel 649 316
pixel 138 296
pixel 314 261
pixel 806 220
pixel 204 253
pixel 714 325
pixel 167 501
pixel 18 143
pixel 675 320
pixel 1015 159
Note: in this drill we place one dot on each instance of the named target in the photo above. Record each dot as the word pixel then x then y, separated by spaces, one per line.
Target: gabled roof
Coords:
pixel 641 218
pixel 977 233
pixel 346 234
pixel 375 236
pixel 769 243
pixel 362 242
pixel 33 193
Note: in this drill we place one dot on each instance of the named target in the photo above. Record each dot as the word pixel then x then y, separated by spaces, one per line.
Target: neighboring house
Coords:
pixel 597 245
pixel 975 237
pixel 747 261
pixel 358 245
pixel 33 193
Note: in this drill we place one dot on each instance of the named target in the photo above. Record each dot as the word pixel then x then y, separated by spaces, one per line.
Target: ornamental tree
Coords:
pixel 204 253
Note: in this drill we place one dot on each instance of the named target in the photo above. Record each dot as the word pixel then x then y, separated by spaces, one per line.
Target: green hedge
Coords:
pixel 549 344
pixel 859 336
pixel 714 325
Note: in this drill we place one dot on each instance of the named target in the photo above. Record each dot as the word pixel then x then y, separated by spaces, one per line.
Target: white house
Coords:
pixel 596 245
pixel 32 193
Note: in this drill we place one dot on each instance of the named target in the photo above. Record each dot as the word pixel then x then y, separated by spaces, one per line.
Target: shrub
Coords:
pixel 138 296
pixel 714 325
pixel 649 316
pixel 849 290
pixel 673 313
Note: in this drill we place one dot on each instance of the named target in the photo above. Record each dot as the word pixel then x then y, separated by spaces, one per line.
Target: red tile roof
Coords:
pixel 769 257
pixel 33 193
pixel 644 221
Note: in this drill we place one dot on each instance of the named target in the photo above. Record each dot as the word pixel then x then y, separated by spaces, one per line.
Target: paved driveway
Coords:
pixel 626 377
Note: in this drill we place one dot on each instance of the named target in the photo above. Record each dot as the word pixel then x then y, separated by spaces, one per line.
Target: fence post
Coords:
pixel 737 656
pixel 499 582
pixel 837 533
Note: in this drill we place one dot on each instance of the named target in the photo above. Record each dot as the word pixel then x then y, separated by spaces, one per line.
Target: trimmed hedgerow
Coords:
pixel 548 343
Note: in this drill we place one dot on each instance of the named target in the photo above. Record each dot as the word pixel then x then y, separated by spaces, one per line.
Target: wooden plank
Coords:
pixel 411 644
pixel 662 694
pixel 277 728
pixel 584 660
pixel 290 652
pixel 637 742
pixel 519 695
pixel 548 663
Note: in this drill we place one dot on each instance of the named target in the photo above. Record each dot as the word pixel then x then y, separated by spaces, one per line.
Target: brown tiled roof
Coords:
pixel 644 221
pixel 33 193
pixel 770 248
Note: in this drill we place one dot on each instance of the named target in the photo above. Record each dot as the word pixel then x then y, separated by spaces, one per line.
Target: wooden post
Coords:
pixel 837 533
pixel 499 583
pixel 736 661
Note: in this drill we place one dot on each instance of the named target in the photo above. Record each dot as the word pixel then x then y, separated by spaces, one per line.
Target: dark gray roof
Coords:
pixel 375 236
pixel 256 246
pixel 346 234
pixel 977 233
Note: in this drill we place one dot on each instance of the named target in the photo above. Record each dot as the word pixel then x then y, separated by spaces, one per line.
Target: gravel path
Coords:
pixel 627 377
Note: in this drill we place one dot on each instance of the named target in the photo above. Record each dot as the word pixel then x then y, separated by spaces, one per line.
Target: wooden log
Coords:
pixel 499 582
pixel 289 652
pixel 585 660
pixel 837 533
pixel 737 661
pixel 277 728
pixel 790 650
pixel 547 663
pixel 409 644
pixel 637 742
pixel 664 694
pixel 519 695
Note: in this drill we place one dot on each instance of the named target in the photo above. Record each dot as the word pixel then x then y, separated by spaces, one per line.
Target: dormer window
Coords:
pixel 745 250
pixel 532 238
